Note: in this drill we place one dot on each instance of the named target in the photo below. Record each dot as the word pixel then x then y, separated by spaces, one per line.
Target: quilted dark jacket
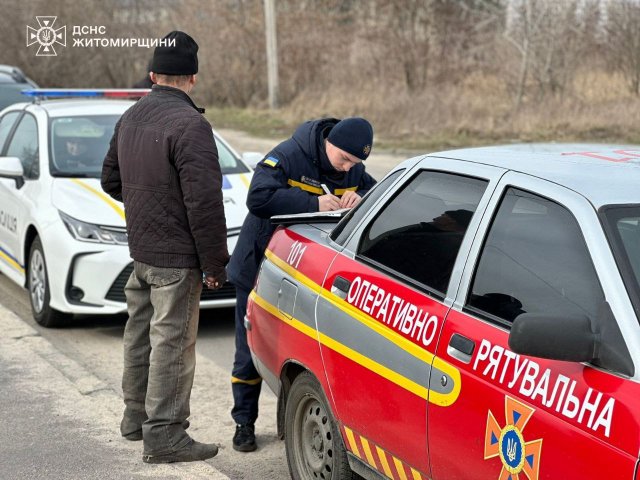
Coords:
pixel 163 164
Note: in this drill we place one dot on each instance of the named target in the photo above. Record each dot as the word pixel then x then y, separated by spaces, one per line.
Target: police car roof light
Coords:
pixel 37 93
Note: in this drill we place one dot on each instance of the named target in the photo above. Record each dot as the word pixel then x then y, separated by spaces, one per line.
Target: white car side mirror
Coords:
pixel 252 158
pixel 11 167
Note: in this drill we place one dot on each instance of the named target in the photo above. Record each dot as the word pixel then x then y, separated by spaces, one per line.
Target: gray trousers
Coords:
pixel 159 354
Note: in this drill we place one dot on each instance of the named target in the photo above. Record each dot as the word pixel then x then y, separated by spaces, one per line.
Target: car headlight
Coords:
pixel 88 232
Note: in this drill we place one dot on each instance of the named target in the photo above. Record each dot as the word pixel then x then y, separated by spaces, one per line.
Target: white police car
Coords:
pixel 61 236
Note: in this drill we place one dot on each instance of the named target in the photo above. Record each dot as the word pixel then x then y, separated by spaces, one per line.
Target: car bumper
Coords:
pixel 89 278
pixel 223 297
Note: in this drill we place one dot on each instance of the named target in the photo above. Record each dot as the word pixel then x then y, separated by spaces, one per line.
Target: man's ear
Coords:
pixel 194 79
pixel 153 77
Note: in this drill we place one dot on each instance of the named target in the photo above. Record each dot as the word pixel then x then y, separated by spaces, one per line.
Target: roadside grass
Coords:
pixel 258 123
pixel 479 111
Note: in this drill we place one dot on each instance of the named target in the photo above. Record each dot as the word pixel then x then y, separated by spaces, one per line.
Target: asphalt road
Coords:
pixel 95 342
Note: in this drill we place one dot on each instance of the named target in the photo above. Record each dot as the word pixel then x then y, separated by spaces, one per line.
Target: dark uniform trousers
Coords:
pixel 287 181
pixel 245 379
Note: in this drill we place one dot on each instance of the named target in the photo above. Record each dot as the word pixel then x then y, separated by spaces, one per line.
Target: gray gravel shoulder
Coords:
pixel 59 421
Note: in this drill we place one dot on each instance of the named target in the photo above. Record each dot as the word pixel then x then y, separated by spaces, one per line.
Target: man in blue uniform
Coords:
pixel 291 179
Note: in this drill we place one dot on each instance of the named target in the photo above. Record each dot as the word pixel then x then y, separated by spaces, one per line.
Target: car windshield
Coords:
pixel 623 229
pixel 80 143
pixel 229 163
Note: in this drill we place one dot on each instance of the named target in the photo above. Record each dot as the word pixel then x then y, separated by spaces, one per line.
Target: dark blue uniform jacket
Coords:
pixel 287 181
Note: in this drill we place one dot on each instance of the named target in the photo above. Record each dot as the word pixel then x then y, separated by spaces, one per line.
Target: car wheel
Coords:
pixel 39 293
pixel 312 438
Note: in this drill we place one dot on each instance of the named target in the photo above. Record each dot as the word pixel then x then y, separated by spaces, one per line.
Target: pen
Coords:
pixel 326 189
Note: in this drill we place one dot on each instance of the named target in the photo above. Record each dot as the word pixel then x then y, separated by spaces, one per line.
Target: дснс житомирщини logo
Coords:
pixel 46 36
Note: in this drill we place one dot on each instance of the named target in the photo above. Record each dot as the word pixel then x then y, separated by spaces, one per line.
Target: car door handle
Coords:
pixel 461 347
pixel 340 287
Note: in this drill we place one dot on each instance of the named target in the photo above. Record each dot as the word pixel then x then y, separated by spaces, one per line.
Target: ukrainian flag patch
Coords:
pixel 271 161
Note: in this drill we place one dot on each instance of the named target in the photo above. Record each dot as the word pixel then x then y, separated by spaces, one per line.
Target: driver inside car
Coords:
pixel 78 154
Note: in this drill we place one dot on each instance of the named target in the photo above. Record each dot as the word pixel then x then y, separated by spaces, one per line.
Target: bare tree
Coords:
pixel 623 40
pixel 405 30
pixel 550 38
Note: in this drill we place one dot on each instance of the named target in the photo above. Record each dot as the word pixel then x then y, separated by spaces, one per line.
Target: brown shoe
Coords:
pixel 192 452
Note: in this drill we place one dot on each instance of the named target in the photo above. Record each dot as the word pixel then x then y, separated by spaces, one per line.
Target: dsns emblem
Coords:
pixel 517 456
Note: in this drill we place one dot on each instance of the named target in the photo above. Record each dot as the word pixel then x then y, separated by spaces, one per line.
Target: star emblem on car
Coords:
pixel 519 458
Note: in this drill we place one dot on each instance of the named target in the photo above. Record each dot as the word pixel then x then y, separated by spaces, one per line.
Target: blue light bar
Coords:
pixel 84 92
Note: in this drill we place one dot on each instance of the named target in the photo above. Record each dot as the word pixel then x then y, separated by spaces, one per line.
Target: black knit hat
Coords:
pixel 353 135
pixel 179 59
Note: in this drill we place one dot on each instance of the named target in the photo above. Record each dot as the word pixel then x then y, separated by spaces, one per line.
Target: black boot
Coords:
pixel 245 438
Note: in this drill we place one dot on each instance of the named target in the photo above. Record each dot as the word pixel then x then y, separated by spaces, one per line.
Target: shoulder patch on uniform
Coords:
pixel 271 161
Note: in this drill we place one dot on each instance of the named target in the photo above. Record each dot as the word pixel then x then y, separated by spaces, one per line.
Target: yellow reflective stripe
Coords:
pixel 346 307
pixel 11 262
pixel 382 456
pixel 254 381
pixel 273 310
pixel 352 442
pixel 305 187
pixel 104 197
pixel 245 180
pixel 446 399
pixel 336 346
pixel 340 191
pixel 367 452
pixel 375 367
pixel 383 460
pixel 400 468
pixel 443 400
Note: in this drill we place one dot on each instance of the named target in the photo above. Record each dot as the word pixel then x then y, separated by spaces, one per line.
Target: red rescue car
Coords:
pixel 475 317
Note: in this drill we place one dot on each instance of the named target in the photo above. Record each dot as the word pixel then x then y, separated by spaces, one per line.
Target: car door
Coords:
pixel 520 417
pixel 392 281
pixel 9 209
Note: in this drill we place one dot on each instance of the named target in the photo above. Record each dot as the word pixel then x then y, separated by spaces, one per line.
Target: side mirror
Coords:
pixel 568 338
pixel 252 158
pixel 11 167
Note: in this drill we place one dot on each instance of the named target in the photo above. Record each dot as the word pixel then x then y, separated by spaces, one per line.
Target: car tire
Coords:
pixel 39 292
pixel 312 439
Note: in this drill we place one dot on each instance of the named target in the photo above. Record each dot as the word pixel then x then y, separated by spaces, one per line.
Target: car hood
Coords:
pixel 84 200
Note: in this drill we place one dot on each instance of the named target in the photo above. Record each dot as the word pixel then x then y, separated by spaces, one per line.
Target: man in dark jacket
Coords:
pixel 163 163
pixel 292 178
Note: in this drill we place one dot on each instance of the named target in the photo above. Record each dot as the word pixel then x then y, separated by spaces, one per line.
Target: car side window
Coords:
pixel 418 234
pixel 24 145
pixel 6 124
pixel 343 230
pixel 534 260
